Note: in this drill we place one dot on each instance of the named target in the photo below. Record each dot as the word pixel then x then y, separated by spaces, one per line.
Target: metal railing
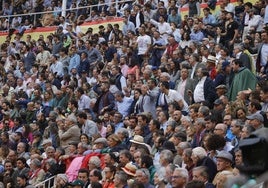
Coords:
pixel 35 16
pixel 48 183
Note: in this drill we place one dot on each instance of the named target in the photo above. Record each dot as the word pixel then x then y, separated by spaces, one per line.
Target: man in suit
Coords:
pixel 28 57
pixel 69 132
pixel 195 65
pixel 205 90
pixel 261 62
pixel 145 102
pixel 185 85
pixel 201 173
pixel 239 54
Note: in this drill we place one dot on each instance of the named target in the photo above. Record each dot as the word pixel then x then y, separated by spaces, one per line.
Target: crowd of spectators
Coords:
pixel 161 101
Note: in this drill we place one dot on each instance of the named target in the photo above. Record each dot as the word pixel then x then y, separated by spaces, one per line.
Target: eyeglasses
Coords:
pixel 176 177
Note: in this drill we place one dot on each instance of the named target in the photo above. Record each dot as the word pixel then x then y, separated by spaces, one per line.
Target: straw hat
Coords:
pixel 130 169
pixel 137 139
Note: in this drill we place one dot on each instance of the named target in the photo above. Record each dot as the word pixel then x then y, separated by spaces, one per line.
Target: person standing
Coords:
pixel 143 45
pixel 243 79
pixel 231 28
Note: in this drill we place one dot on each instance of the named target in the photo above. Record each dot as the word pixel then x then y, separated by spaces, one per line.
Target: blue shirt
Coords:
pixel 176 19
pixel 118 126
pixel 129 26
pixel 123 106
pixel 74 62
pixel 197 36
pixel 209 20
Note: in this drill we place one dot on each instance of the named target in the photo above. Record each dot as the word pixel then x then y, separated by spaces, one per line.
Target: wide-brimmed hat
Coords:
pixel 211 59
pixel 130 169
pixel 222 86
pixel 137 140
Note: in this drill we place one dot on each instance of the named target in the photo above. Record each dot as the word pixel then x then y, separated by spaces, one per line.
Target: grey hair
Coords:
pixel 36 163
pixel 165 74
pixel 72 118
pixel 167 155
pixel 124 131
pixel 184 145
pixel 149 71
pixel 84 145
pixel 95 160
pixel 122 176
pixel 161 172
pixel 204 110
pixel 183 172
pixel 53 114
pixel 172 123
pixel 186 118
pixel 51 162
pixel 199 152
pixel 145 171
pixel 119 93
pixel 203 171
pixel 201 121
pixel 239 47
pixel 188 152
pixel 50 148
pixel 239 122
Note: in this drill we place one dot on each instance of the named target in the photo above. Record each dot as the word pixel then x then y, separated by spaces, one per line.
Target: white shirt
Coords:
pixel 254 21
pixel 199 90
pixel 181 87
pixel 163 28
pixel 173 96
pixel 57 67
pixel 264 54
pixel 143 43
pixel 193 71
pixel 84 102
pixel 123 106
pixel 237 56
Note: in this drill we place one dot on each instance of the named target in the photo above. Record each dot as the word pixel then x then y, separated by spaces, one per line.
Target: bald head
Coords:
pixel 220 129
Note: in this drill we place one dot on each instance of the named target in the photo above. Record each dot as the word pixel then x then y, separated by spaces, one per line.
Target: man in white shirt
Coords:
pixel 56 67
pixel 173 96
pixel 205 90
pixel 143 44
pixel 83 100
pixel 163 27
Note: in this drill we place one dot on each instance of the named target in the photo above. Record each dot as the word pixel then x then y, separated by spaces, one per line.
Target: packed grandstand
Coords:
pixel 136 94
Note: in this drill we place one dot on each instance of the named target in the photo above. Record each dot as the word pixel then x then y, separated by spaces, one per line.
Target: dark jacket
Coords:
pixel 211 166
pixel 209 92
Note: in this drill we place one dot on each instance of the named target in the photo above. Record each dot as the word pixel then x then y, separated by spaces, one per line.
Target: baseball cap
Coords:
pixel 225 64
pixel 77 183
